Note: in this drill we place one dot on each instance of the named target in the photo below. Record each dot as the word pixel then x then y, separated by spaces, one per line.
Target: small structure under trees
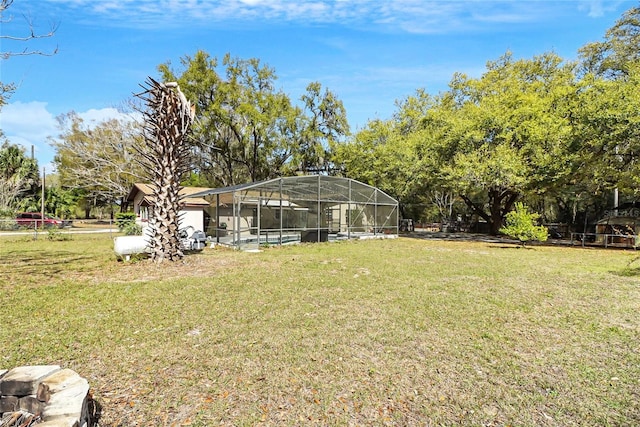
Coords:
pixel 165 156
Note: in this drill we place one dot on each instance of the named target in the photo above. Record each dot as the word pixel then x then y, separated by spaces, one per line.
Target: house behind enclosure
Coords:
pixel 192 209
pixel 284 210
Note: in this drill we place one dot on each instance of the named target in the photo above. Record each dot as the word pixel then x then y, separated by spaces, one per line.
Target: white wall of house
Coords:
pixel 192 216
pixel 188 216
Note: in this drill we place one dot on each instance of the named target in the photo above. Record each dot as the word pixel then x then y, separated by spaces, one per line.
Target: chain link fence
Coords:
pixel 36 228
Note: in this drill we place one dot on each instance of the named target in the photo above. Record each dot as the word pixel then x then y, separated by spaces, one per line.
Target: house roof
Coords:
pixel 619 220
pixel 185 195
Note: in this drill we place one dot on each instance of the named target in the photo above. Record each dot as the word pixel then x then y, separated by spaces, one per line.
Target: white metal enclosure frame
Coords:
pixel 299 209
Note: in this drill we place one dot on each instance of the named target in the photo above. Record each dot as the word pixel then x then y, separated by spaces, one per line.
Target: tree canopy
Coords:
pixel 491 140
pixel 556 135
pixel 19 178
pixel 539 130
pixel 21 41
pixel 390 154
pixel 613 56
pixel 508 133
pixel 102 160
pixel 246 130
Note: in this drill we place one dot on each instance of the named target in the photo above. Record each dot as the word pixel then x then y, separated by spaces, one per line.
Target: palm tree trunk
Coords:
pixel 167 124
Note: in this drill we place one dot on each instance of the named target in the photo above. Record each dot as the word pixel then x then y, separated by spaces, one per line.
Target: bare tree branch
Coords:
pixel 100 159
pixel 32 35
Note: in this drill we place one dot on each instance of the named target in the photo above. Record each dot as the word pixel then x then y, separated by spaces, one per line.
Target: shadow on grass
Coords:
pixel 462 236
pixel 42 255
pixel 628 272
pixel 632 269
pixel 56 261
pixel 514 246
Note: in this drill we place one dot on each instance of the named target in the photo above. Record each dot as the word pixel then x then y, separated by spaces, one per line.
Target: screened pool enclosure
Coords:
pixel 298 209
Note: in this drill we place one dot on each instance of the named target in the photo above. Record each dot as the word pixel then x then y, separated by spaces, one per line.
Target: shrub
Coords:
pixel 7 220
pixel 131 229
pixel 126 222
pixel 54 234
pixel 8 224
pixel 124 218
pixel 521 224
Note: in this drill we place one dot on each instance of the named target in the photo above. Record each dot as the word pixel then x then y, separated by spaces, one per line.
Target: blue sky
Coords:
pixel 370 53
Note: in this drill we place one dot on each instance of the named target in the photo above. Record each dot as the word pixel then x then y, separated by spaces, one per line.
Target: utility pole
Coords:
pixel 42 198
pixel 615 191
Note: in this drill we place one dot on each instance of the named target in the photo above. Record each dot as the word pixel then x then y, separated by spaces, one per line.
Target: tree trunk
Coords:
pixel 495 206
pixel 500 202
pixel 167 123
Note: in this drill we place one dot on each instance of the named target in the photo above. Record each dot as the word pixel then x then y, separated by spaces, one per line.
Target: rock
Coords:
pixel 43 394
pixel 59 396
pixel 61 422
pixel 8 404
pixel 31 405
pixel 24 380
pixel 62 380
pixel 56 382
pixel 71 401
pixel 2 372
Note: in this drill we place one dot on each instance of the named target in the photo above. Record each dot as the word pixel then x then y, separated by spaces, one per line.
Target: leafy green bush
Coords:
pixel 131 229
pixel 521 224
pixel 126 222
pixel 124 218
pixel 8 224
pixel 55 234
pixel 7 220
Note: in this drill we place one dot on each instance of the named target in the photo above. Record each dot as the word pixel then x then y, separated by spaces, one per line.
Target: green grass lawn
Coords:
pixel 394 332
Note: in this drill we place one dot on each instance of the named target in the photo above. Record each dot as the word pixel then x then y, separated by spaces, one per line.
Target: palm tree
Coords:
pixel 165 157
pixel 19 176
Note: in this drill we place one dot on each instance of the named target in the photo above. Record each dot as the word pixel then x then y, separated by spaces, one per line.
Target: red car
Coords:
pixel 34 219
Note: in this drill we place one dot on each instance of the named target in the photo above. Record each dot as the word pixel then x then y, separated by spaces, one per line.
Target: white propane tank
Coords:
pixel 125 246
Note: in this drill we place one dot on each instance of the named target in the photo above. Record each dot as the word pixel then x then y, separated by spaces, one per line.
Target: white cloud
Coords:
pixel 597 8
pixel 32 124
pixel 29 125
pixel 414 16
pixel 94 116
pixel 29 120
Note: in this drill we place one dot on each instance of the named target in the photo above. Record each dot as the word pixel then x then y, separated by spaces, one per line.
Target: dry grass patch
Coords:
pixel 403 332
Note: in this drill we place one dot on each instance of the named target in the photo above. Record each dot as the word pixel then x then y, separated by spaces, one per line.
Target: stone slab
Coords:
pixel 24 380
pixel 31 405
pixel 61 422
pixel 57 382
pixel 71 401
pixel 61 380
pixel 8 404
